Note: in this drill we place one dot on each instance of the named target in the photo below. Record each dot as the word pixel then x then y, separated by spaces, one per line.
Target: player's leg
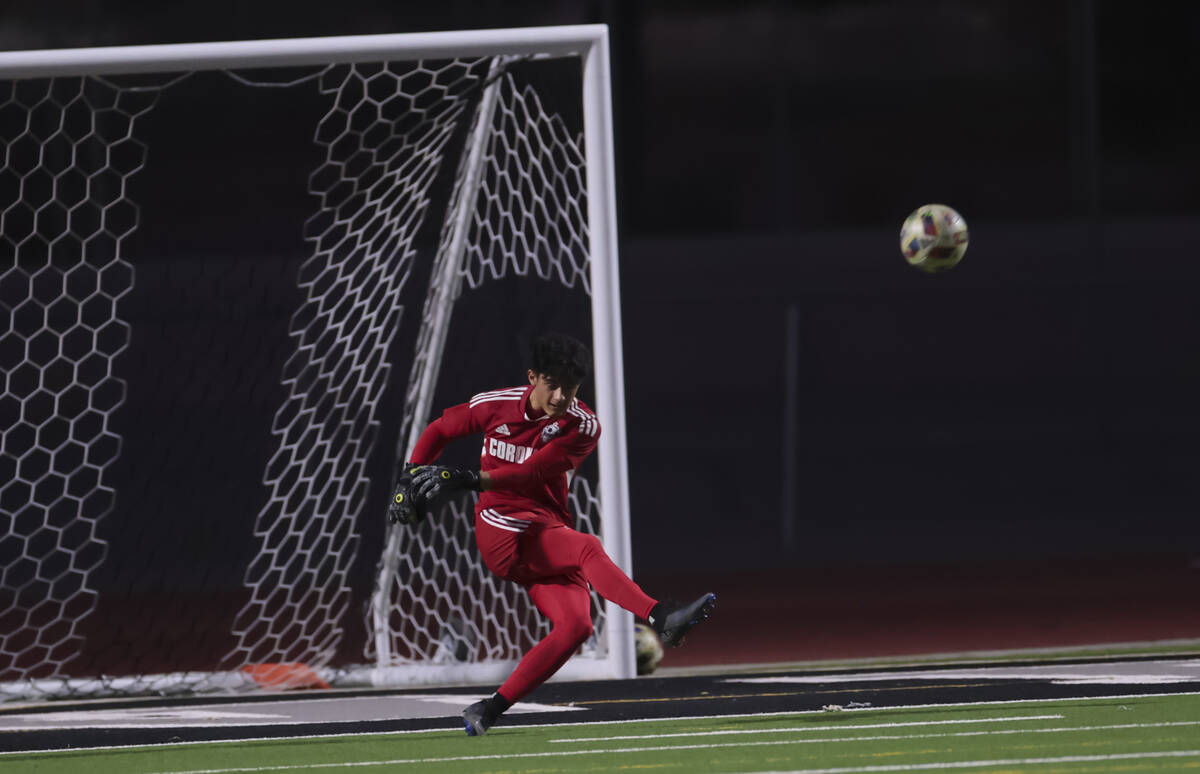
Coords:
pixel 552 550
pixel 498 547
pixel 558 550
pixel 544 557
pixel 568 605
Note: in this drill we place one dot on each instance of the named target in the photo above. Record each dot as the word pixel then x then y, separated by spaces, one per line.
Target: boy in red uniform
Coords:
pixel 533 437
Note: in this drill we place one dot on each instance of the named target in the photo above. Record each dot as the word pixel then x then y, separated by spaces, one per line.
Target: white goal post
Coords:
pixel 462 192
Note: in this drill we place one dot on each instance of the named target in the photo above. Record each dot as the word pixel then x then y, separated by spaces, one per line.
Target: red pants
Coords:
pixel 556 565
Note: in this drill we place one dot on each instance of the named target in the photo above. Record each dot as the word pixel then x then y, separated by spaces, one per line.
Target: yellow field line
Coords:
pixel 767 695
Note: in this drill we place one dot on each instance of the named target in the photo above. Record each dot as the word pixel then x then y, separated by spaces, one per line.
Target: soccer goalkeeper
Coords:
pixel 533 436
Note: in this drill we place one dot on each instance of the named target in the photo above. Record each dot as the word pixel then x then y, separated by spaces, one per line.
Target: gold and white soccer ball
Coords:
pixel 933 238
pixel 648 648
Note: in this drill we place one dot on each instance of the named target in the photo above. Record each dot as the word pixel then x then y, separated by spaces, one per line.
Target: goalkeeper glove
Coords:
pixel 405 508
pixel 432 481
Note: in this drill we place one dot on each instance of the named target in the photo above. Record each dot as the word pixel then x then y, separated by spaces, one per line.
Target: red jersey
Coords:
pixel 527 455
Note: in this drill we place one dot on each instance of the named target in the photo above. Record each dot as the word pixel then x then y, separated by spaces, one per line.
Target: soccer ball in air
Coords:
pixel 933 238
pixel 648 648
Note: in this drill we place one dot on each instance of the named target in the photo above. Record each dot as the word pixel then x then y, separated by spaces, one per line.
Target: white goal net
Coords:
pixel 240 279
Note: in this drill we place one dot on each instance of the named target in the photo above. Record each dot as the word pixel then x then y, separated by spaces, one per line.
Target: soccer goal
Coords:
pixel 239 279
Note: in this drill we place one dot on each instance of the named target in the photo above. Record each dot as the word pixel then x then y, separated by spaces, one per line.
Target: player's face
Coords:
pixel 550 396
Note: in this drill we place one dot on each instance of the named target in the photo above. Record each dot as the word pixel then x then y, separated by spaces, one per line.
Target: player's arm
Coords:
pixel 455 422
pixel 406 505
pixel 543 465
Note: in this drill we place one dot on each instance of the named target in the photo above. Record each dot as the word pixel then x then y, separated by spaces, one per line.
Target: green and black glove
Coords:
pixel 405 507
pixel 429 482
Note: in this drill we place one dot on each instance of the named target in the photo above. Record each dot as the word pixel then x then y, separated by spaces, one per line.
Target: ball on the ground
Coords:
pixel 648 648
pixel 933 238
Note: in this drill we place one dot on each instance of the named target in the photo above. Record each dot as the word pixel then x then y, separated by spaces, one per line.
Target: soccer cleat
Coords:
pixel 478 718
pixel 678 620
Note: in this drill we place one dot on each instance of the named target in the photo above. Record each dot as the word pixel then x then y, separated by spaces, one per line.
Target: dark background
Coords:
pixel 1038 401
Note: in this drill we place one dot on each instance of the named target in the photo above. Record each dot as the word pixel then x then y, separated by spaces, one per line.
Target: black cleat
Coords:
pixel 678 620
pixel 478 718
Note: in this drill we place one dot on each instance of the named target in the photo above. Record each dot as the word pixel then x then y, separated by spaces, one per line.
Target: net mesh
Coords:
pixel 383 153
pixel 69 149
pixel 527 221
pixel 287 571
pixel 531 217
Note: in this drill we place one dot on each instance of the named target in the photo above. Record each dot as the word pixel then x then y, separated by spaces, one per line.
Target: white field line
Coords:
pixel 1162 671
pixel 1114 651
pixel 455 725
pixel 209 717
pixel 888 737
pixel 1003 762
pixel 854 727
pixel 670 748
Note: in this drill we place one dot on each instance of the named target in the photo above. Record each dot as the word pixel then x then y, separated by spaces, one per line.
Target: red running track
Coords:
pixel 877 611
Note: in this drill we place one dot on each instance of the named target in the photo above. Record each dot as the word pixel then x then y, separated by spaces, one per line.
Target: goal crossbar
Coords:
pixel 556 41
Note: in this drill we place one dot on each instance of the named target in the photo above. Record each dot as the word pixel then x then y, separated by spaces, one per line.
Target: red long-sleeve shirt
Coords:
pixel 527 456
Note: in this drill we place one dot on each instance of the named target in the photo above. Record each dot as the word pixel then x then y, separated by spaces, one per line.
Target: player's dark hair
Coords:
pixel 562 358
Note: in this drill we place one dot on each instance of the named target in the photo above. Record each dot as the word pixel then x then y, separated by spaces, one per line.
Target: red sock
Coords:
pixel 568 605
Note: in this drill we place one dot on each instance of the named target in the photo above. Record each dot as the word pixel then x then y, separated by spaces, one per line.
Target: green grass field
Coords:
pixel 1159 733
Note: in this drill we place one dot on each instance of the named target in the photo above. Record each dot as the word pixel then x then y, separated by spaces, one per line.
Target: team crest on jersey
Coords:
pixel 549 431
